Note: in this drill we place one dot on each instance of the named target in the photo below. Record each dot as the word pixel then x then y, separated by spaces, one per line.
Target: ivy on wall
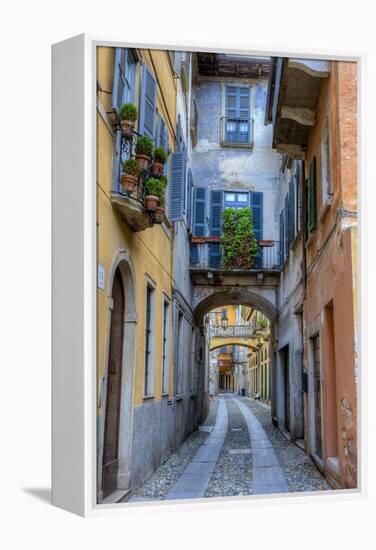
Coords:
pixel 238 239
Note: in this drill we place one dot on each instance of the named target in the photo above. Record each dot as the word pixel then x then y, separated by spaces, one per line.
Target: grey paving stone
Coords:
pixel 263 458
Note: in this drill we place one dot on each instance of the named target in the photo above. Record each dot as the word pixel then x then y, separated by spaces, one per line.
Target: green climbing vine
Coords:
pixel 238 239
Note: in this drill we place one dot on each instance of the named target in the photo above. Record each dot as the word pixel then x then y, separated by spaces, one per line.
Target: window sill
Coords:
pixel 325 208
pixel 179 397
pixel 164 395
pixel 146 397
pixel 235 145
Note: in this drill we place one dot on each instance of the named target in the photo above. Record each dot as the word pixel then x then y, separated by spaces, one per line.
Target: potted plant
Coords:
pixel 160 157
pixel 238 238
pixel 128 116
pixel 157 216
pixel 144 151
pixel 129 177
pixel 154 189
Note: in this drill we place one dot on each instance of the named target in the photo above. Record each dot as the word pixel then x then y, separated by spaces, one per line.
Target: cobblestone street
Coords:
pixel 236 452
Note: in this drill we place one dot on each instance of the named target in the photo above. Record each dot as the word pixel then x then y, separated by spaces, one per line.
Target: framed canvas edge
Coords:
pixel 87 503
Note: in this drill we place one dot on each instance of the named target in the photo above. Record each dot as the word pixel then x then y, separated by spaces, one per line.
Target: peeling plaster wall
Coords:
pixel 218 167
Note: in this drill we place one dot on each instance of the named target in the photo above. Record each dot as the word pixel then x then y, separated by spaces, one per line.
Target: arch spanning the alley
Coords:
pixel 208 298
pixel 218 342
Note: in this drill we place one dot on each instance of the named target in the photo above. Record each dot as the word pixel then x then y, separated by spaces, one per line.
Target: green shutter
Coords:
pixel 312 199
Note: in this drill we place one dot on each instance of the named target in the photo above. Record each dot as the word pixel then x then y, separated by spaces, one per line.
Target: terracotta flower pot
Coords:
pixel 128 183
pixel 143 161
pixel 156 169
pixel 158 215
pixel 127 127
pixel 151 203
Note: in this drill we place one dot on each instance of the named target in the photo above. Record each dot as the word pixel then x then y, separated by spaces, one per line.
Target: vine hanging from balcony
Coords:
pixel 238 238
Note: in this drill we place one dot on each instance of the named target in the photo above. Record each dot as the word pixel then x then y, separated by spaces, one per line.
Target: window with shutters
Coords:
pixel 326 187
pixel 312 197
pixel 148 103
pixel 236 127
pixel 177 185
pixel 149 341
pixel 122 92
pixel 123 86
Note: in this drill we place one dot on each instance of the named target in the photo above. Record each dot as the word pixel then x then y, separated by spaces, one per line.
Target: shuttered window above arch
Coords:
pixel 148 103
pixel 177 185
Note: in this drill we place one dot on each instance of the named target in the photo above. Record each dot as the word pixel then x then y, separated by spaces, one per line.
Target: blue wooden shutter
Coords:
pixel 215 213
pixel 215 227
pixel 199 211
pixel 162 138
pixel 120 68
pixel 177 186
pixel 148 103
pixel 189 200
pixel 257 206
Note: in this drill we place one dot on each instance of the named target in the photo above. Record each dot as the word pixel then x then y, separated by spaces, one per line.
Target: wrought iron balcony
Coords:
pixel 237 132
pixel 240 331
pixel 206 254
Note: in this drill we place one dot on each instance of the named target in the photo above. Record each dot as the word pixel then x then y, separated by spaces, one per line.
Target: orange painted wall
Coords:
pixel 331 269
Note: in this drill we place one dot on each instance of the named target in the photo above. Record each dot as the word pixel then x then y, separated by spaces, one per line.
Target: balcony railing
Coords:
pixel 208 256
pixel 237 131
pixel 242 331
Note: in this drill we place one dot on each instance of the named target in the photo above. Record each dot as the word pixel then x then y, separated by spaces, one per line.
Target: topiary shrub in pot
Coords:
pixel 129 177
pixel 154 190
pixel 238 238
pixel 144 151
pixel 128 116
pixel 158 214
pixel 159 159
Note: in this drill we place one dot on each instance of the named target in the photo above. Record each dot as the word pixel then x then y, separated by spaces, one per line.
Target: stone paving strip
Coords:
pixel 299 471
pixel 196 476
pixel 232 474
pixel 267 474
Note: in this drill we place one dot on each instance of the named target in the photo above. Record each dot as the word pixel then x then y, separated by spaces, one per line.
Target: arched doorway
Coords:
pixel 115 415
pixel 110 464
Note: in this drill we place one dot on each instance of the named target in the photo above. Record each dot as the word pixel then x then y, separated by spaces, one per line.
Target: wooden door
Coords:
pixel 287 389
pixel 318 395
pixel 115 365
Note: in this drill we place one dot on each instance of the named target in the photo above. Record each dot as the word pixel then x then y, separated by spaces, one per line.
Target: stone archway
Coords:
pixel 262 297
pixel 209 297
pixel 122 266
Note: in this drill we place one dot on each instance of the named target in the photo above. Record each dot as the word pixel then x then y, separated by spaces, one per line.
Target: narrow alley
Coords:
pixel 237 451
pixel 227 270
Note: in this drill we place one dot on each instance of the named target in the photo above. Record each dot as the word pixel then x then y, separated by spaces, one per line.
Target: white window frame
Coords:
pixel 165 364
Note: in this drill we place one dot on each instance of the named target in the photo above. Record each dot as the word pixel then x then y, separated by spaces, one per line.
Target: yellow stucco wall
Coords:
pixel 150 250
